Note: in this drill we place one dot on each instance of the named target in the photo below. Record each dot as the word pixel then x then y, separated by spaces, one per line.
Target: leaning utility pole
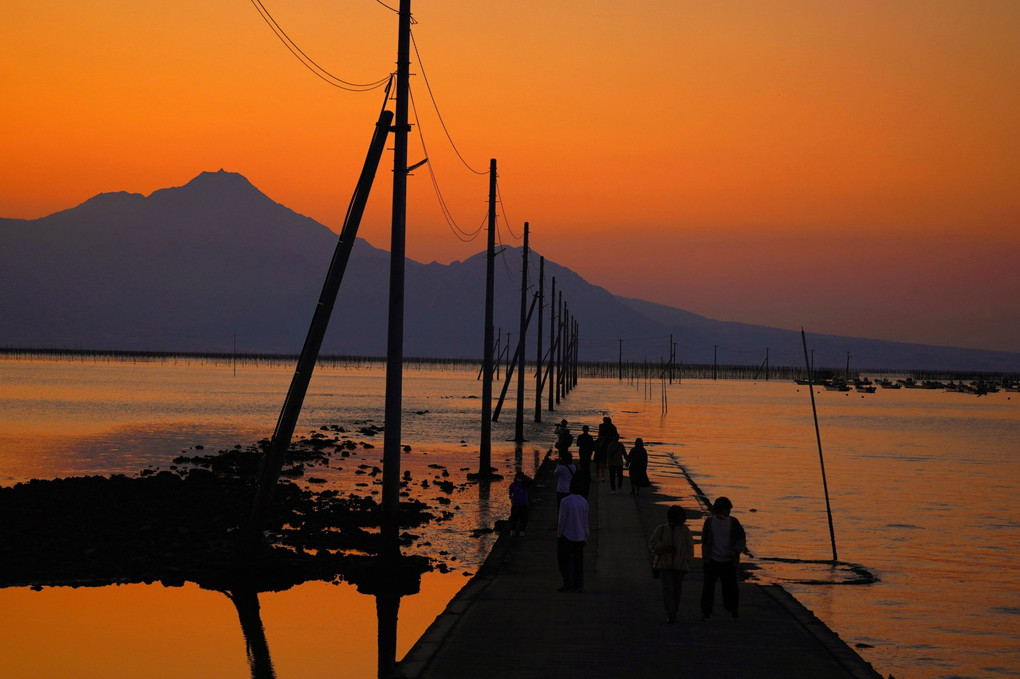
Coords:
pixel 274 458
pixel 485 445
pixel 390 525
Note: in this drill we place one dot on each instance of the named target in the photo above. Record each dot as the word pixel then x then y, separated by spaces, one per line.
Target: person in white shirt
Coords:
pixel 571 534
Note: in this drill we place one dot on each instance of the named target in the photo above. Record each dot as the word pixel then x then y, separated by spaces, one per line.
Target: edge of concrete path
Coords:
pixel 421 653
pixel 847 657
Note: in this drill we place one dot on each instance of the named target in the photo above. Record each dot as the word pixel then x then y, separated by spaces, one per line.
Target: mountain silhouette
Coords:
pixel 188 268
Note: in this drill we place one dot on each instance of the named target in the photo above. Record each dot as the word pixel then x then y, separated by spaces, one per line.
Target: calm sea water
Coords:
pixel 922 486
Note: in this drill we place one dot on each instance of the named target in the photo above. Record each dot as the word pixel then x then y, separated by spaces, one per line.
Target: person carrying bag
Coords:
pixel 673 547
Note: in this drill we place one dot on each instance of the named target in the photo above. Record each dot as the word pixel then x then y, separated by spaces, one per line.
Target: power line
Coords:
pixel 459 233
pixel 436 107
pixel 503 210
pixel 310 63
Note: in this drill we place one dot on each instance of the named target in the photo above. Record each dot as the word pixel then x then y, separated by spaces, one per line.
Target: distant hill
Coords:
pixel 187 268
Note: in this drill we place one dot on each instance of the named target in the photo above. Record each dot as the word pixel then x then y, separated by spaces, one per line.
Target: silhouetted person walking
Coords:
pixel 585 449
pixel 617 456
pixel 564 475
pixel 607 434
pixel 722 541
pixel 519 504
pixel 637 464
pixel 673 546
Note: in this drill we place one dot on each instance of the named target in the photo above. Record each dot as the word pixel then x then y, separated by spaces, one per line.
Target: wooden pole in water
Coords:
pixel 518 351
pixel 619 362
pixel 390 525
pixel 485 444
pixel 538 351
pixel 274 458
pixel 552 343
pixel 818 437
pixel 561 336
pixel 519 422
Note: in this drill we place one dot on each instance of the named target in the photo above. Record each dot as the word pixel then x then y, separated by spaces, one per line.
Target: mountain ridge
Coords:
pixel 187 268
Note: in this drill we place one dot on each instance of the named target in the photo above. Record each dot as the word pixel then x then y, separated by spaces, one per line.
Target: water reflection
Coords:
pixel 484 519
pixel 388 578
pixel 246 601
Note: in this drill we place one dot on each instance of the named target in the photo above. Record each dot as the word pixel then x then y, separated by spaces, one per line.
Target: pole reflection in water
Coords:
pixel 484 518
pixel 388 578
pixel 246 601
pixel 387 605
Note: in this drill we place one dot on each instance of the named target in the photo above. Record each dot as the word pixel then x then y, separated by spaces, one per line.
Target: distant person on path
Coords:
pixel 637 464
pixel 673 546
pixel 585 449
pixel 519 504
pixel 564 475
pixel 571 533
pixel 722 541
pixel 606 435
pixel 563 437
pixel 617 456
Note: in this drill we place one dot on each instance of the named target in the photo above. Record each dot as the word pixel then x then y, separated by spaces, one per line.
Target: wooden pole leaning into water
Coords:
pixel 818 437
pixel 518 352
pixel 273 459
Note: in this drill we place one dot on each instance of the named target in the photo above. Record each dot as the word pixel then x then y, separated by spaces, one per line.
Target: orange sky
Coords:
pixel 850 167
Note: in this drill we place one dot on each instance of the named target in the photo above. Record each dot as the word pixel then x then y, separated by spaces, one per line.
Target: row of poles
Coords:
pixel 563 338
pixel 556 369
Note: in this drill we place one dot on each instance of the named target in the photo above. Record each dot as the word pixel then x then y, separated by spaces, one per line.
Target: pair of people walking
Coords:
pixel 636 461
pixel 722 541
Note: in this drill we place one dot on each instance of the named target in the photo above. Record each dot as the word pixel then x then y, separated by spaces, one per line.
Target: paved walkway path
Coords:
pixel 509 620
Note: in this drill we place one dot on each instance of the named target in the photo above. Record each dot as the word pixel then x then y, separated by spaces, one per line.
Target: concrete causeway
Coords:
pixel 509 620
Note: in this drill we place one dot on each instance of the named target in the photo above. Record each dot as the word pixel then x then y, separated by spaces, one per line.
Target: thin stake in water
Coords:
pixel 818 437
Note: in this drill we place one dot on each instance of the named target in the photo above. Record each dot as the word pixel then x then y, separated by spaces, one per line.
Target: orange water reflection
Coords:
pixel 152 631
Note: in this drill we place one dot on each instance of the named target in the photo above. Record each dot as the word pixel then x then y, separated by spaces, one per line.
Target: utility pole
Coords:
pixel 390 527
pixel 619 363
pixel 559 348
pixel 577 349
pixel 485 445
pixel 519 422
pixel 552 343
pixel 563 379
pixel 715 361
pixel 538 351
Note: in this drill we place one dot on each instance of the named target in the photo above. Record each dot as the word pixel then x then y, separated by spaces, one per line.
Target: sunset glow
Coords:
pixel 850 167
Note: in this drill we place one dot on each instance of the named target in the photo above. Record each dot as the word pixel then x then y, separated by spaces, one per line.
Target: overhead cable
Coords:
pixel 310 63
pixel 436 107
pixel 503 210
pixel 461 234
